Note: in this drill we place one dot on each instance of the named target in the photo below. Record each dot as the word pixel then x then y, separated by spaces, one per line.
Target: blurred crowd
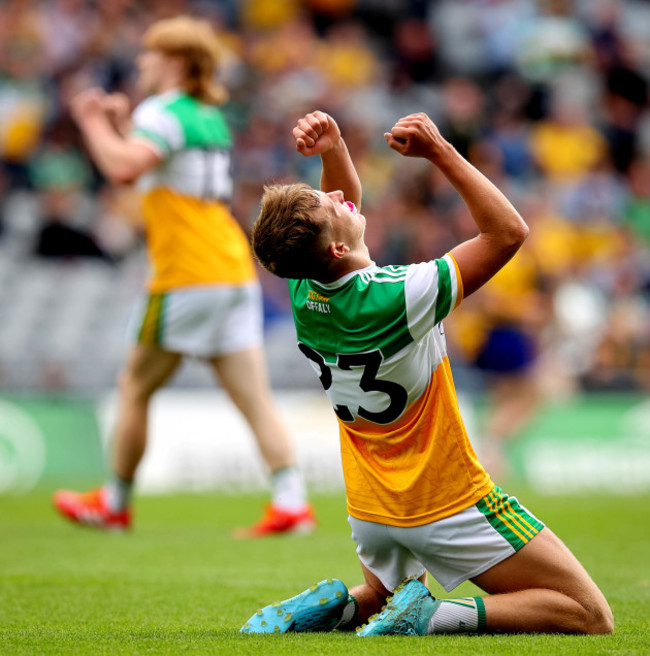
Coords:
pixel 549 98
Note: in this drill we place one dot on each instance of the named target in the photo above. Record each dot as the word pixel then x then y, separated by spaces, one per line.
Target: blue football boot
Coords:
pixel 318 608
pixel 407 612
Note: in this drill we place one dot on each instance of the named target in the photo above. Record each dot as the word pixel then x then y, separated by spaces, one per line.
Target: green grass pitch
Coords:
pixel 179 584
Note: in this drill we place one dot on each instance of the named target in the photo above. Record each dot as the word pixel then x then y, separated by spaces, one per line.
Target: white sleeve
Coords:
pixel 432 289
pixel 152 122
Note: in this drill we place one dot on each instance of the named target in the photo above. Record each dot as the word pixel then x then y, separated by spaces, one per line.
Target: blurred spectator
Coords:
pixel 551 41
pixel 510 130
pixel 464 115
pixel 60 174
pixel 620 358
pixel 23 93
pixel 58 236
pixel 345 58
pixel 3 194
pixel 416 57
pixel 625 101
pixel 565 145
pixel 637 207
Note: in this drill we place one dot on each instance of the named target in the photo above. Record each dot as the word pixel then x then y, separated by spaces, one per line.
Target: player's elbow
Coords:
pixel 523 231
pixel 518 231
pixel 514 236
pixel 122 175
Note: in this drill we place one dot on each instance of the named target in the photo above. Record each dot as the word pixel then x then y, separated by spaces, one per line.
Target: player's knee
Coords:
pixel 132 388
pixel 600 619
pixel 595 619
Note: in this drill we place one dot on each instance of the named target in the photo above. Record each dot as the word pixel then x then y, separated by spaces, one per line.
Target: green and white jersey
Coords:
pixel 192 237
pixel 382 316
pixel 194 142
pixel 375 339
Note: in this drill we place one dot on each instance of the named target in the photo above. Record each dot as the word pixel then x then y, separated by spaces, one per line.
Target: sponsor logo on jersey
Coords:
pixel 317 302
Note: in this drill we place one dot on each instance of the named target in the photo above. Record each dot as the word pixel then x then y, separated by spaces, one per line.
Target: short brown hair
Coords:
pixel 287 240
pixel 196 43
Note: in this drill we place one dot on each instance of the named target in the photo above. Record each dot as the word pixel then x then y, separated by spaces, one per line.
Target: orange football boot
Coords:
pixel 277 521
pixel 91 509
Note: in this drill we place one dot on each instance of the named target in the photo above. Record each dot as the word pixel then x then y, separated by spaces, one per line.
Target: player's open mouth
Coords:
pixel 352 207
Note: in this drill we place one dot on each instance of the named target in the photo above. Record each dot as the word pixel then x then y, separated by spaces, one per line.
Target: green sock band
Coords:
pixel 480 607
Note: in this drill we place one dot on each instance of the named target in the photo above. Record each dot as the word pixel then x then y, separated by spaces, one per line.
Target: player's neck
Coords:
pixel 169 84
pixel 352 262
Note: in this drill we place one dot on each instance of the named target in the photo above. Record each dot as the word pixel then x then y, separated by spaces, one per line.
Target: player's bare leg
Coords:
pixel 147 369
pixel 543 588
pixel 540 589
pixel 243 374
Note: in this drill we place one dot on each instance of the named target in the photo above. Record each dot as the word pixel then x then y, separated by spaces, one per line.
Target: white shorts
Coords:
pixel 202 321
pixel 454 549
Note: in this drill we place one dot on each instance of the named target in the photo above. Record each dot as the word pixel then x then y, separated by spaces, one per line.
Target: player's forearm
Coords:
pixel 109 150
pixel 493 213
pixel 339 173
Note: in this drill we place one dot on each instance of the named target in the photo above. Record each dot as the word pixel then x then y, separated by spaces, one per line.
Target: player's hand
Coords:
pixel 117 108
pixel 415 135
pixel 316 133
pixel 88 104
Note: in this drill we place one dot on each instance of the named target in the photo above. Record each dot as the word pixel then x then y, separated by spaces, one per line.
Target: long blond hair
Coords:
pixel 195 42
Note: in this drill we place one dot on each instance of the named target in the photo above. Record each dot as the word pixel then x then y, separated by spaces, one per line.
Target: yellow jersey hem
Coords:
pixel 425 518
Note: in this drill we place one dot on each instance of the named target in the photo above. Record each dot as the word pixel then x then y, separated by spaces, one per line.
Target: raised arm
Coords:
pixel 120 160
pixel 318 134
pixel 501 230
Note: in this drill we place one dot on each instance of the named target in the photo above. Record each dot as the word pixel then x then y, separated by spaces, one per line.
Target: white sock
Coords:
pixel 118 494
pixel 458 615
pixel 288 489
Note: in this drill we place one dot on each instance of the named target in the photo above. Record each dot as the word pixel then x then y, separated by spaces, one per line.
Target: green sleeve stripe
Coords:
pixel 444 290
pixel 159 141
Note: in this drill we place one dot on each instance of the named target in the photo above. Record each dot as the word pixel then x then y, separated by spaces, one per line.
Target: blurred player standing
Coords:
pixel 418 498
pixel 203 298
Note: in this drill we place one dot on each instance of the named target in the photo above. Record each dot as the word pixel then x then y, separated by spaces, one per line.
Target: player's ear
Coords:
pixel 338 249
